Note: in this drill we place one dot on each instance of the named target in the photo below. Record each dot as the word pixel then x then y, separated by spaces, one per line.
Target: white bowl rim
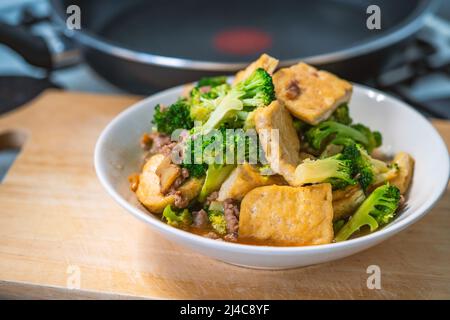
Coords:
pixel 365 240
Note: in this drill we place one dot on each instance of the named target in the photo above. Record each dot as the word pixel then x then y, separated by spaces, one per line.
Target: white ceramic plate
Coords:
pixel 117 155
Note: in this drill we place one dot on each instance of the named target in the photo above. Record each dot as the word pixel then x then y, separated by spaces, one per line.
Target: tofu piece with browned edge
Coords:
pixel 346 201
pixel 405 163
pixel 279 139
pixel 309 94
pixel 149 192
pixel 284 215
pixel 244 179
pixel 266 62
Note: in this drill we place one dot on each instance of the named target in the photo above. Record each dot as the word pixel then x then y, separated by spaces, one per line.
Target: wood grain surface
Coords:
pixel 56 221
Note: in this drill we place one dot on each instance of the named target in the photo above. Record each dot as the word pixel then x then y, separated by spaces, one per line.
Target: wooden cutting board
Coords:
pixel 62 236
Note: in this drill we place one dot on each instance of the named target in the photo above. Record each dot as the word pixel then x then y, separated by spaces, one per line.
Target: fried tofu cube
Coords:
pixel 279 139
pixel 149 191
pixel 244 179
pixel 309 94
pixel 266 62
pixel 346 201
pixel 284 215
pixel 405 163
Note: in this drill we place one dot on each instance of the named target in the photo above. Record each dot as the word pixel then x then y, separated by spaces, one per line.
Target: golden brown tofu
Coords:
pixel 167 173
pixel 279 139
pixel 266 62
pixel 149 189
pixel 346 201
pixel 406 168
pixel 244 179
pixel 284 215
pixel 309 94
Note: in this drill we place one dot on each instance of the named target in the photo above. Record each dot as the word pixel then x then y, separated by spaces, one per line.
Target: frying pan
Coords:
pixel 143 46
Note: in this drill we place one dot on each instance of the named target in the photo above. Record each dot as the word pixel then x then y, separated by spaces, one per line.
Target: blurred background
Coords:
pixel 139 46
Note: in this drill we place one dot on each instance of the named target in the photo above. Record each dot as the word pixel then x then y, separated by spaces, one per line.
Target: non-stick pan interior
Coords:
pixel 238 30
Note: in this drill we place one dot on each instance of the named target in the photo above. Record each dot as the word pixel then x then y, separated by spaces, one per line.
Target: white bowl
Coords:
pixel 117 155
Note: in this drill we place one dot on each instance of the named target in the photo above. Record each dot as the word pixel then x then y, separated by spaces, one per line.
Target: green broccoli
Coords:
pixel 203 103
pixel 368 170
pixel 198 155
pixel 374 137
pixel 336 170
pixel 215 176
pixel 318 135
pixel 377 210
pixel 255 91
pixel 338 133
pixel 211 81
pixel 177 219
pixel 341 115
pixel 176 116
pixel 217 220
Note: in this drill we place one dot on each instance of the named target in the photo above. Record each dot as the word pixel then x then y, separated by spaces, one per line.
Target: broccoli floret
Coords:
pixel 217 220
pixel 328 130
pixel 196 170
pixel 341 115
pixel 377 210
pixel 215 176
pixel 204 102
pixel 374 137
pixel 176 116
pixel 242 147
pixel 177 219
pixel 300 126
pixel 255 91
pixel 368 170
pixel 336 170
pixel 211 81
pixel 338 133
pixel 337 225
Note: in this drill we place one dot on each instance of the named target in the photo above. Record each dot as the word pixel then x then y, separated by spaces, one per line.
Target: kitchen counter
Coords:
pixel 62 236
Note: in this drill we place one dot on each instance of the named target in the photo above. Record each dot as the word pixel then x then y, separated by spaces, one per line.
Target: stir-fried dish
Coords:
pixel 271 158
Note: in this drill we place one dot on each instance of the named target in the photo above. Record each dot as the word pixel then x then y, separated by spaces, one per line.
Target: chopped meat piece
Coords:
pixel 231 213
pixel 212 235
pixel 266 62
pixel 167 148
pixel 231 237
pixel 156 140
pixel 180 201
pixel 199 218
pixel 279 139
pixel 309 94
pixel 212 197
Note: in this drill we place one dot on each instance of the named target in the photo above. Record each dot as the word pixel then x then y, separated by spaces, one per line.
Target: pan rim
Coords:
pixel 403 30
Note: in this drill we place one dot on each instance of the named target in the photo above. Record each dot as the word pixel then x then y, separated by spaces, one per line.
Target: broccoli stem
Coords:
pixel 378 209
pixel 215 176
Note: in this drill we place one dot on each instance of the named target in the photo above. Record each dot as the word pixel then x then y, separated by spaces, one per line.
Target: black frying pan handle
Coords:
pixel 32 48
